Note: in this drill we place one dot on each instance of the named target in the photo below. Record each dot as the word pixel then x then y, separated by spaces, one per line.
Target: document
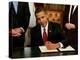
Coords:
pixel 69 48
pixel 43 49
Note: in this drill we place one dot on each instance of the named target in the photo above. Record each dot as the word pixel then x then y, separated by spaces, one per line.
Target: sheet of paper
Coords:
pixel 69 48
pixel 43 49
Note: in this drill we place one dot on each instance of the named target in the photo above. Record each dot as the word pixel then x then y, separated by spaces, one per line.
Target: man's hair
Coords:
pixel 39 10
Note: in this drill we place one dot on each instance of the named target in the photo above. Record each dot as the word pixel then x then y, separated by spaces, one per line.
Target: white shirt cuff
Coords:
pixel 61 45
pixel 22 29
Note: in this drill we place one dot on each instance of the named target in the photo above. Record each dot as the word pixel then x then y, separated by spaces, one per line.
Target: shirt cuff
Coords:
pixel 22 29
pixel 61 45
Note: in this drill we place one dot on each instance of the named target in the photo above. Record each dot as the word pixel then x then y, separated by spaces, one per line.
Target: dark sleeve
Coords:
pixel 27 16
pixel 61 36
pixel 23 15
pixel 33 43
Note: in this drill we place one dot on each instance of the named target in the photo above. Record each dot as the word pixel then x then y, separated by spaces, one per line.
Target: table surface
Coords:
pixel 29 52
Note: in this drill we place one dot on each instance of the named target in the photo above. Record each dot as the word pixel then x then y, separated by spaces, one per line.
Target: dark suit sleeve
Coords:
pixel 33 42
pixel 25 16
pixel 21 18
pixel 61 36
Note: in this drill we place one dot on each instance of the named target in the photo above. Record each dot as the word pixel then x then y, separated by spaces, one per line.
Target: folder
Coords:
pixel 43 49
pixel 69 48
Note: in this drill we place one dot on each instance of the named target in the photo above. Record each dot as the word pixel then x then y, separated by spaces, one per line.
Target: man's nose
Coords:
pixel 41 20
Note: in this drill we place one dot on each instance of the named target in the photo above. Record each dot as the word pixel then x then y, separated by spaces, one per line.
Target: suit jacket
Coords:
pixel 73 17
pixel 21 19
pixel 55 35
pixel 72 34
pixel 16 20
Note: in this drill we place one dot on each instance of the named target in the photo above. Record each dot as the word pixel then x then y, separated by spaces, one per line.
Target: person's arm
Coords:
pixel 33 40
pixel 26 16
pixel 62 40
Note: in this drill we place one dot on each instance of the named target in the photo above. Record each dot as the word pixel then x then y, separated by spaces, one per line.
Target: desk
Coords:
pixel 29 52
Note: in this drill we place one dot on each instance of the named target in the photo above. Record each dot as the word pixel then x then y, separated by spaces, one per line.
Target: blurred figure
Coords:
pixel 19 16
pixel 71 27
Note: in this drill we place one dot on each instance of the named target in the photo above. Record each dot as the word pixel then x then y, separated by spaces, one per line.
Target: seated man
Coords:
pixel 47 33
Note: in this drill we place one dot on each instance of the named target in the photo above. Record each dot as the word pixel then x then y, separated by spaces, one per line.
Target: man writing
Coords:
pixel 47 33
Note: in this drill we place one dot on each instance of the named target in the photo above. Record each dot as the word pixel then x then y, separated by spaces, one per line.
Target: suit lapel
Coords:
pixel 13 15
pixel 39 32
pixel 12 8
pixel 50 28
pixel 40 36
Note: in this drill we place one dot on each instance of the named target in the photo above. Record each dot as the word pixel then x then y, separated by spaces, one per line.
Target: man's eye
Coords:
pixel 42 17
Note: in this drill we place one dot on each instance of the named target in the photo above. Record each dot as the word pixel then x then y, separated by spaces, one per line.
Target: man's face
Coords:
pixel 42 18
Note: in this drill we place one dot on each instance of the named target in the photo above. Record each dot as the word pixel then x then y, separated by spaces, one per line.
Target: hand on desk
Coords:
pixel 16 32
pixel 51 45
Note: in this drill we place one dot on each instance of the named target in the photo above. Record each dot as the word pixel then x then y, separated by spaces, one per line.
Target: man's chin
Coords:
pixel 42 25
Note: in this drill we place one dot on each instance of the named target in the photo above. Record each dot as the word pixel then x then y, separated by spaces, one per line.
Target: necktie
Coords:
pixel 45 38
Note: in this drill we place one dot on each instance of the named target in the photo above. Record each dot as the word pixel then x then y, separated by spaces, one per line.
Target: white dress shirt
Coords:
pixel 15 4
pixel 46 28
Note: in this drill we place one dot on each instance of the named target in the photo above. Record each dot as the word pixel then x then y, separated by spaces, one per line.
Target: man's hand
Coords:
pixel 70 26
pixel 51 45
pixel 16 32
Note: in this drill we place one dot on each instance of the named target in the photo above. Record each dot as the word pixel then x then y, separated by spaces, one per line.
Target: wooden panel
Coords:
pixel 55 16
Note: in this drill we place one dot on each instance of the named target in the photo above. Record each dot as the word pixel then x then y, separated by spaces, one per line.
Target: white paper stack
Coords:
pixel 69 48
pixel 43 49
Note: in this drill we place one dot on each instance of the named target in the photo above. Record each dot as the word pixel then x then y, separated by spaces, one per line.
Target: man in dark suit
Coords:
pixel 18 22
pixel 47 33
pixel 72 27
